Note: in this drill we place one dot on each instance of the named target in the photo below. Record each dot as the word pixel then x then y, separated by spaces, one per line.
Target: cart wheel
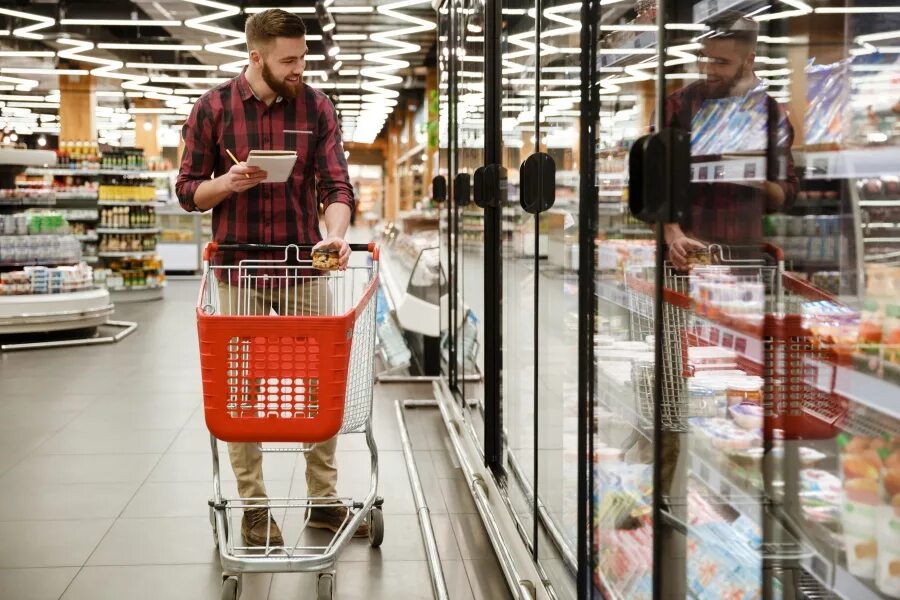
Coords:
pixel 230 588
pixel 376 527
pixel 325 586
pixel 212 522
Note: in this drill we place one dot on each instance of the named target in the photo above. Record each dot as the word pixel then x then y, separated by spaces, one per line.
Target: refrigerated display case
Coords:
pixel 687 420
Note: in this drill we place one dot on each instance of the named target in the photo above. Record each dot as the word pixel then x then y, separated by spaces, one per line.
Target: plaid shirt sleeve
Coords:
pixel 331 164
pixel 791 183
pixel 198 162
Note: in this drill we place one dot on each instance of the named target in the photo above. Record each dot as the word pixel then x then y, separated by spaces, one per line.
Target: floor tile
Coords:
pixel 49 543
pixel 373 580
pixel 154 582
pixel 81 468
pixel 186 499
pixel 457 496
pixel 113 441
pixel 486 579
pixel 473 541
pixel 35 584
pixel 163 541
pixel 65 501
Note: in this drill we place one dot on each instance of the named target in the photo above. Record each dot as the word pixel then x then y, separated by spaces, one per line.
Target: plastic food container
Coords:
pixel 748 416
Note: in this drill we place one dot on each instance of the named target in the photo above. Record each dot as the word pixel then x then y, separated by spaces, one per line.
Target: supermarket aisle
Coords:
pixel 105 473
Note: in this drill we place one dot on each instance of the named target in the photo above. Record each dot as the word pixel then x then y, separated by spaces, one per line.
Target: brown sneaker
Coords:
pixel 333 518
pixel 256 525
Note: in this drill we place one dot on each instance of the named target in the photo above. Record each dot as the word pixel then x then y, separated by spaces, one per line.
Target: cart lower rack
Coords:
pixel 287 357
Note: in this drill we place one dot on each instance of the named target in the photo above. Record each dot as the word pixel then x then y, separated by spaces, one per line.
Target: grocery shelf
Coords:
pixel 54 312
pixel 136 254
pixel 74 196
pixel 80 217
pixel 89 172
pixel 851 163
pixel 113 230
pixel 878 203
pixel 141 203
pixel 40 262
pixel 28 202
pixel 90 259
pixel 87 238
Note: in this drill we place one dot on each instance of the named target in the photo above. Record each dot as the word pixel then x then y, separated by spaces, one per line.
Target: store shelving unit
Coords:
pixel 87 207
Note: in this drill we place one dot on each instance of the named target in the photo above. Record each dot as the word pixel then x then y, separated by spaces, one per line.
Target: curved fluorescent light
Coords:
pixel 121 22
pixel 28 31
pixel 857 9
pixel 297 10
pixel 117 46
pixel 27 54
pixel 225 11
pixel 170 67
pixel 800 8
pixel 42 71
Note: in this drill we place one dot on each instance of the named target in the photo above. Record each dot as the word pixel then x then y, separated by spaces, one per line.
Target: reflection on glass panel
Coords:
pixel 520 242
pixel 622 460
pixel 557 282
pixel 470 111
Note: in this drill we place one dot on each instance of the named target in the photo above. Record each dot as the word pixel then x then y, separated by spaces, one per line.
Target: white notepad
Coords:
pixel 277 163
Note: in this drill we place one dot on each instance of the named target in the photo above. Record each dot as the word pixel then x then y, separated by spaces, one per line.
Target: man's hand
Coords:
pixel 680 246
pixel 241 178
pixel 338 244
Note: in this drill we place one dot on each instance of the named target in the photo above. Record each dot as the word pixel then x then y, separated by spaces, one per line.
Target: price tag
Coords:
pixel 714 335
pixel 740 345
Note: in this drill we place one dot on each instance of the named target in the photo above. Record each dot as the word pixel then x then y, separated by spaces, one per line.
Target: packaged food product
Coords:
pixel 859 516
pixel 748 416
pixel 326 259
pixel 887 574
pixel 891 335
pixel 871 323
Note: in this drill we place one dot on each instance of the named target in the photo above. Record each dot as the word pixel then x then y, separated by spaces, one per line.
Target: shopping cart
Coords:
pixel 299 377
pixel 770 338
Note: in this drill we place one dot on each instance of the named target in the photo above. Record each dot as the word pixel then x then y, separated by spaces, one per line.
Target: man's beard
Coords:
pixel 724 88
pixel 281 88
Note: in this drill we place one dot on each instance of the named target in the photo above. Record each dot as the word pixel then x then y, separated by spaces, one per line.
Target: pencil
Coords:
pixel 236 161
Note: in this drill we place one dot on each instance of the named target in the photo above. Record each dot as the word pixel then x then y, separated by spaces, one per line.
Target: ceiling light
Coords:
pixel 314 57
pixel 326 20
pixel 291 9
pixel 349 56
pixel 27 54
pixel 347 37
pixel 151 111
pixel 28 31
pixel 203 80
pixel 123 22
pixel 16 98
pixel 349 72
pixel 33 104
pixel 42 71
pixel 171 67
pixel 336 65
pixel 858 9
pixel 351 10
pixel 184 47
pixel 226 11
pixel 42 141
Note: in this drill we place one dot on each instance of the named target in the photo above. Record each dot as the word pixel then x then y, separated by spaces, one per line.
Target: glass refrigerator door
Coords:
pixel 518 257
pixel 776 405
pixel 621 476
pixel 470 18
pixel 556 280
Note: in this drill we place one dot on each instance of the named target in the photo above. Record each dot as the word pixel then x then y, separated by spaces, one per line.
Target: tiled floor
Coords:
pixel 105 473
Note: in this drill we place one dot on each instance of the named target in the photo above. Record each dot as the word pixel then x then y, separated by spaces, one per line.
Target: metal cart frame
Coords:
pixel 240 392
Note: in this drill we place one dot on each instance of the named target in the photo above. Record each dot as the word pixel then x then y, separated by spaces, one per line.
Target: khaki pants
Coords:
pixel 246 458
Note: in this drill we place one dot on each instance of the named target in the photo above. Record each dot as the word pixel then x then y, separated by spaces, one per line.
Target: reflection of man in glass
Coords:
pixel 729 111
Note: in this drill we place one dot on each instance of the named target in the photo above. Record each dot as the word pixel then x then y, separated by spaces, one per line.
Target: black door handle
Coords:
pixel 490 186
pixel 462 189
pixel 537 178
pixel 659 176
pixel 439 189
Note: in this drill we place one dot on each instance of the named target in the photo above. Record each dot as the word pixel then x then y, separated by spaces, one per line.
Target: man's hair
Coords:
pixel 262 28
pixel 732 25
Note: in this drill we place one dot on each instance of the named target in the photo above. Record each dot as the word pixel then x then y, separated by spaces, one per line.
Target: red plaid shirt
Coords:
pixel 231 117
pixel 727 213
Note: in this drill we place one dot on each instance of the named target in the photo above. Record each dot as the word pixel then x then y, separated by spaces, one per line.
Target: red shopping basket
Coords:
pixel 284 377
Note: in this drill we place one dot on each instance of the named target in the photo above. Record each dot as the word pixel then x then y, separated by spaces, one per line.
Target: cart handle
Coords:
pixel 212 247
